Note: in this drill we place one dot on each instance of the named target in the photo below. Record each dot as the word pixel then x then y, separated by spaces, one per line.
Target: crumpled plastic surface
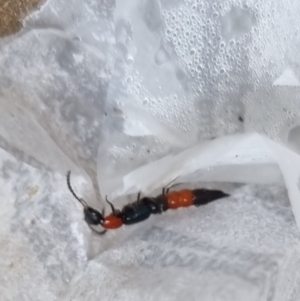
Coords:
pixel 129 96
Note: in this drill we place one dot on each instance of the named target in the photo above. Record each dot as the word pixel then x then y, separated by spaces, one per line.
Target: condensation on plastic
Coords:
pixel 130 96
pixel 192 71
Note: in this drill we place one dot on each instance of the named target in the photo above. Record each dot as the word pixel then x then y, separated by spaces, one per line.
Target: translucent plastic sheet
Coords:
pixel 129 96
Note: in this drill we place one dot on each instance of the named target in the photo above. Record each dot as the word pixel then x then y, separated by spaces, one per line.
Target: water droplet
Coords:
pixel 192 51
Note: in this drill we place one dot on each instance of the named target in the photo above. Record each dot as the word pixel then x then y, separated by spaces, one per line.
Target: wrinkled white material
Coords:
pixel 129 96
pixel 211 161
pixel 287 78
pixel 249 158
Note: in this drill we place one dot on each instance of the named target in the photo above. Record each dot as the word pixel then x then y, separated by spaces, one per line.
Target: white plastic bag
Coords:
pixel 129 96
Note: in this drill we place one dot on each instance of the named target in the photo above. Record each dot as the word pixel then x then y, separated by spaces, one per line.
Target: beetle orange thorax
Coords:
pixel 112 222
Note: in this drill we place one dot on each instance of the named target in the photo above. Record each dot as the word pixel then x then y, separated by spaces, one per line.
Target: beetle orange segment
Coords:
pixel 112 222
pixel 177 199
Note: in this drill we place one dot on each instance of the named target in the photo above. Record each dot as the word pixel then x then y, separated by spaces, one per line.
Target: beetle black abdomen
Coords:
pixel 205 196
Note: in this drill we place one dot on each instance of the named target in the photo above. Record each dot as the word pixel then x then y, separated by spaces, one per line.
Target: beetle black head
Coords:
pixel 92 216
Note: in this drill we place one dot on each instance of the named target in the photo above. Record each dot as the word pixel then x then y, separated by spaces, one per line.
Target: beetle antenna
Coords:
pixel 81 201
